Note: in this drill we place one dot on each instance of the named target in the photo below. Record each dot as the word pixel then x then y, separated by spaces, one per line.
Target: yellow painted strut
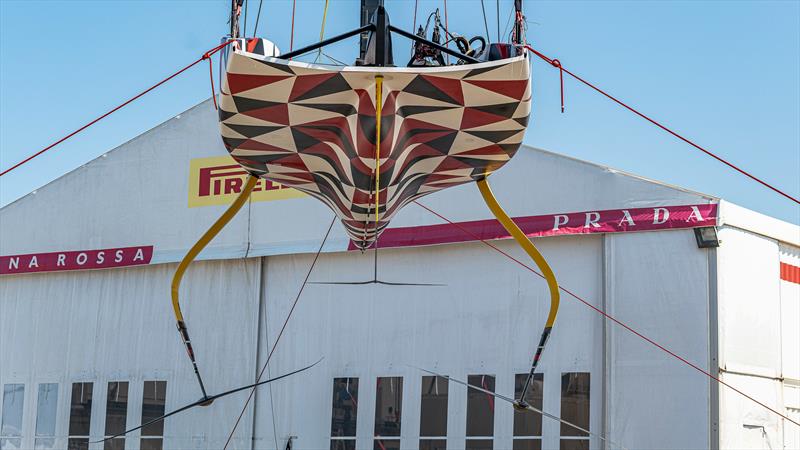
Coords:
pixel 192 254
pixel 378 109
pixel 547 272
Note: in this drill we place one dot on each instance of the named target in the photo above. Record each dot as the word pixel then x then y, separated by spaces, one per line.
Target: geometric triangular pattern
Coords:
pixel 312 127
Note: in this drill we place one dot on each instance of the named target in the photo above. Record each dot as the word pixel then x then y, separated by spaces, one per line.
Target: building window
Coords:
pixel 46 407
pixel 480 413
pixel 116 414
pixel 11 419
pixel 575 409
pixel 433 414
pixel 344 413
pixel 388 412
pixel 528 424
pixel 80 414
pixel 153 404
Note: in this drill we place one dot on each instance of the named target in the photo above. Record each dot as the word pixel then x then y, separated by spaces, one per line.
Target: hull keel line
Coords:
pixel 187 260
pixel 547 272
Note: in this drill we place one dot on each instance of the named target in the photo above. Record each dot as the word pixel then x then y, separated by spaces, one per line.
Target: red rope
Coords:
pixel 608 316
pixel 117 108
pixel 489 397
pixel 211 77
pixel 555 63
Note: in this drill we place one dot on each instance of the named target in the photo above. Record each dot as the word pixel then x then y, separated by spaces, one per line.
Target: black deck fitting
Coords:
pixel 380 33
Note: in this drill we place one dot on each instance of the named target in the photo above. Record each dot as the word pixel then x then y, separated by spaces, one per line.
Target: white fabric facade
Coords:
pixel 759 335
pixel 725 310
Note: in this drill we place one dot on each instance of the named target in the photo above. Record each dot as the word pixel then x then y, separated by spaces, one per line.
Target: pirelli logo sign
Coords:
pixel 217 181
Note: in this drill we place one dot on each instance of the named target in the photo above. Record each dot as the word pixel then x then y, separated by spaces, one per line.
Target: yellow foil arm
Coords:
pixel 190 256
pixel 526 245
pixel 547 272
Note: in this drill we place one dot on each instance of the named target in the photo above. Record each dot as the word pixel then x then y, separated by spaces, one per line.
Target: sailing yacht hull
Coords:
pixel 313 127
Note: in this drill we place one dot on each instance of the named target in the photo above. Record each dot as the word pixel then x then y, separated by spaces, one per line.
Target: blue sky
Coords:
pixel 726 74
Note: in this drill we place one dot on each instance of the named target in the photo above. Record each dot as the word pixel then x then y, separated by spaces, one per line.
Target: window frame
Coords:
pixel 354 399
pixel 80 437
pixel 37 437
pixel 162 424
pixel 579 436
pixel 15 438
pixel 428 438
pixel 538 379
pixel 378 439
pixel 108 445
pixel 490 399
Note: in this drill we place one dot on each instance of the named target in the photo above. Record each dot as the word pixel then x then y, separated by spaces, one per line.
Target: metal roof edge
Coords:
pixel 104 154
pixel 740 217
pixel 621 172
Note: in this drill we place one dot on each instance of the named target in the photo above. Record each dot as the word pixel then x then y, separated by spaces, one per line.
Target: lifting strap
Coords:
pixel 190 256
pixel 547 272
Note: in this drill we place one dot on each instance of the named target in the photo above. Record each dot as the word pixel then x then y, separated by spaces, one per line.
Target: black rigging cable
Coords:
pixel 205 400
pixel 283 328
pixel 414 26
pixel 508 22
pixel 244 30
pixel 485 23
pixel 258 18
pixel 523 406
pixel 609 316
pixel 498 21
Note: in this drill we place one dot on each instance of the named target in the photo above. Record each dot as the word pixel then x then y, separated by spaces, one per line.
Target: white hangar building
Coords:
pixel 88 344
